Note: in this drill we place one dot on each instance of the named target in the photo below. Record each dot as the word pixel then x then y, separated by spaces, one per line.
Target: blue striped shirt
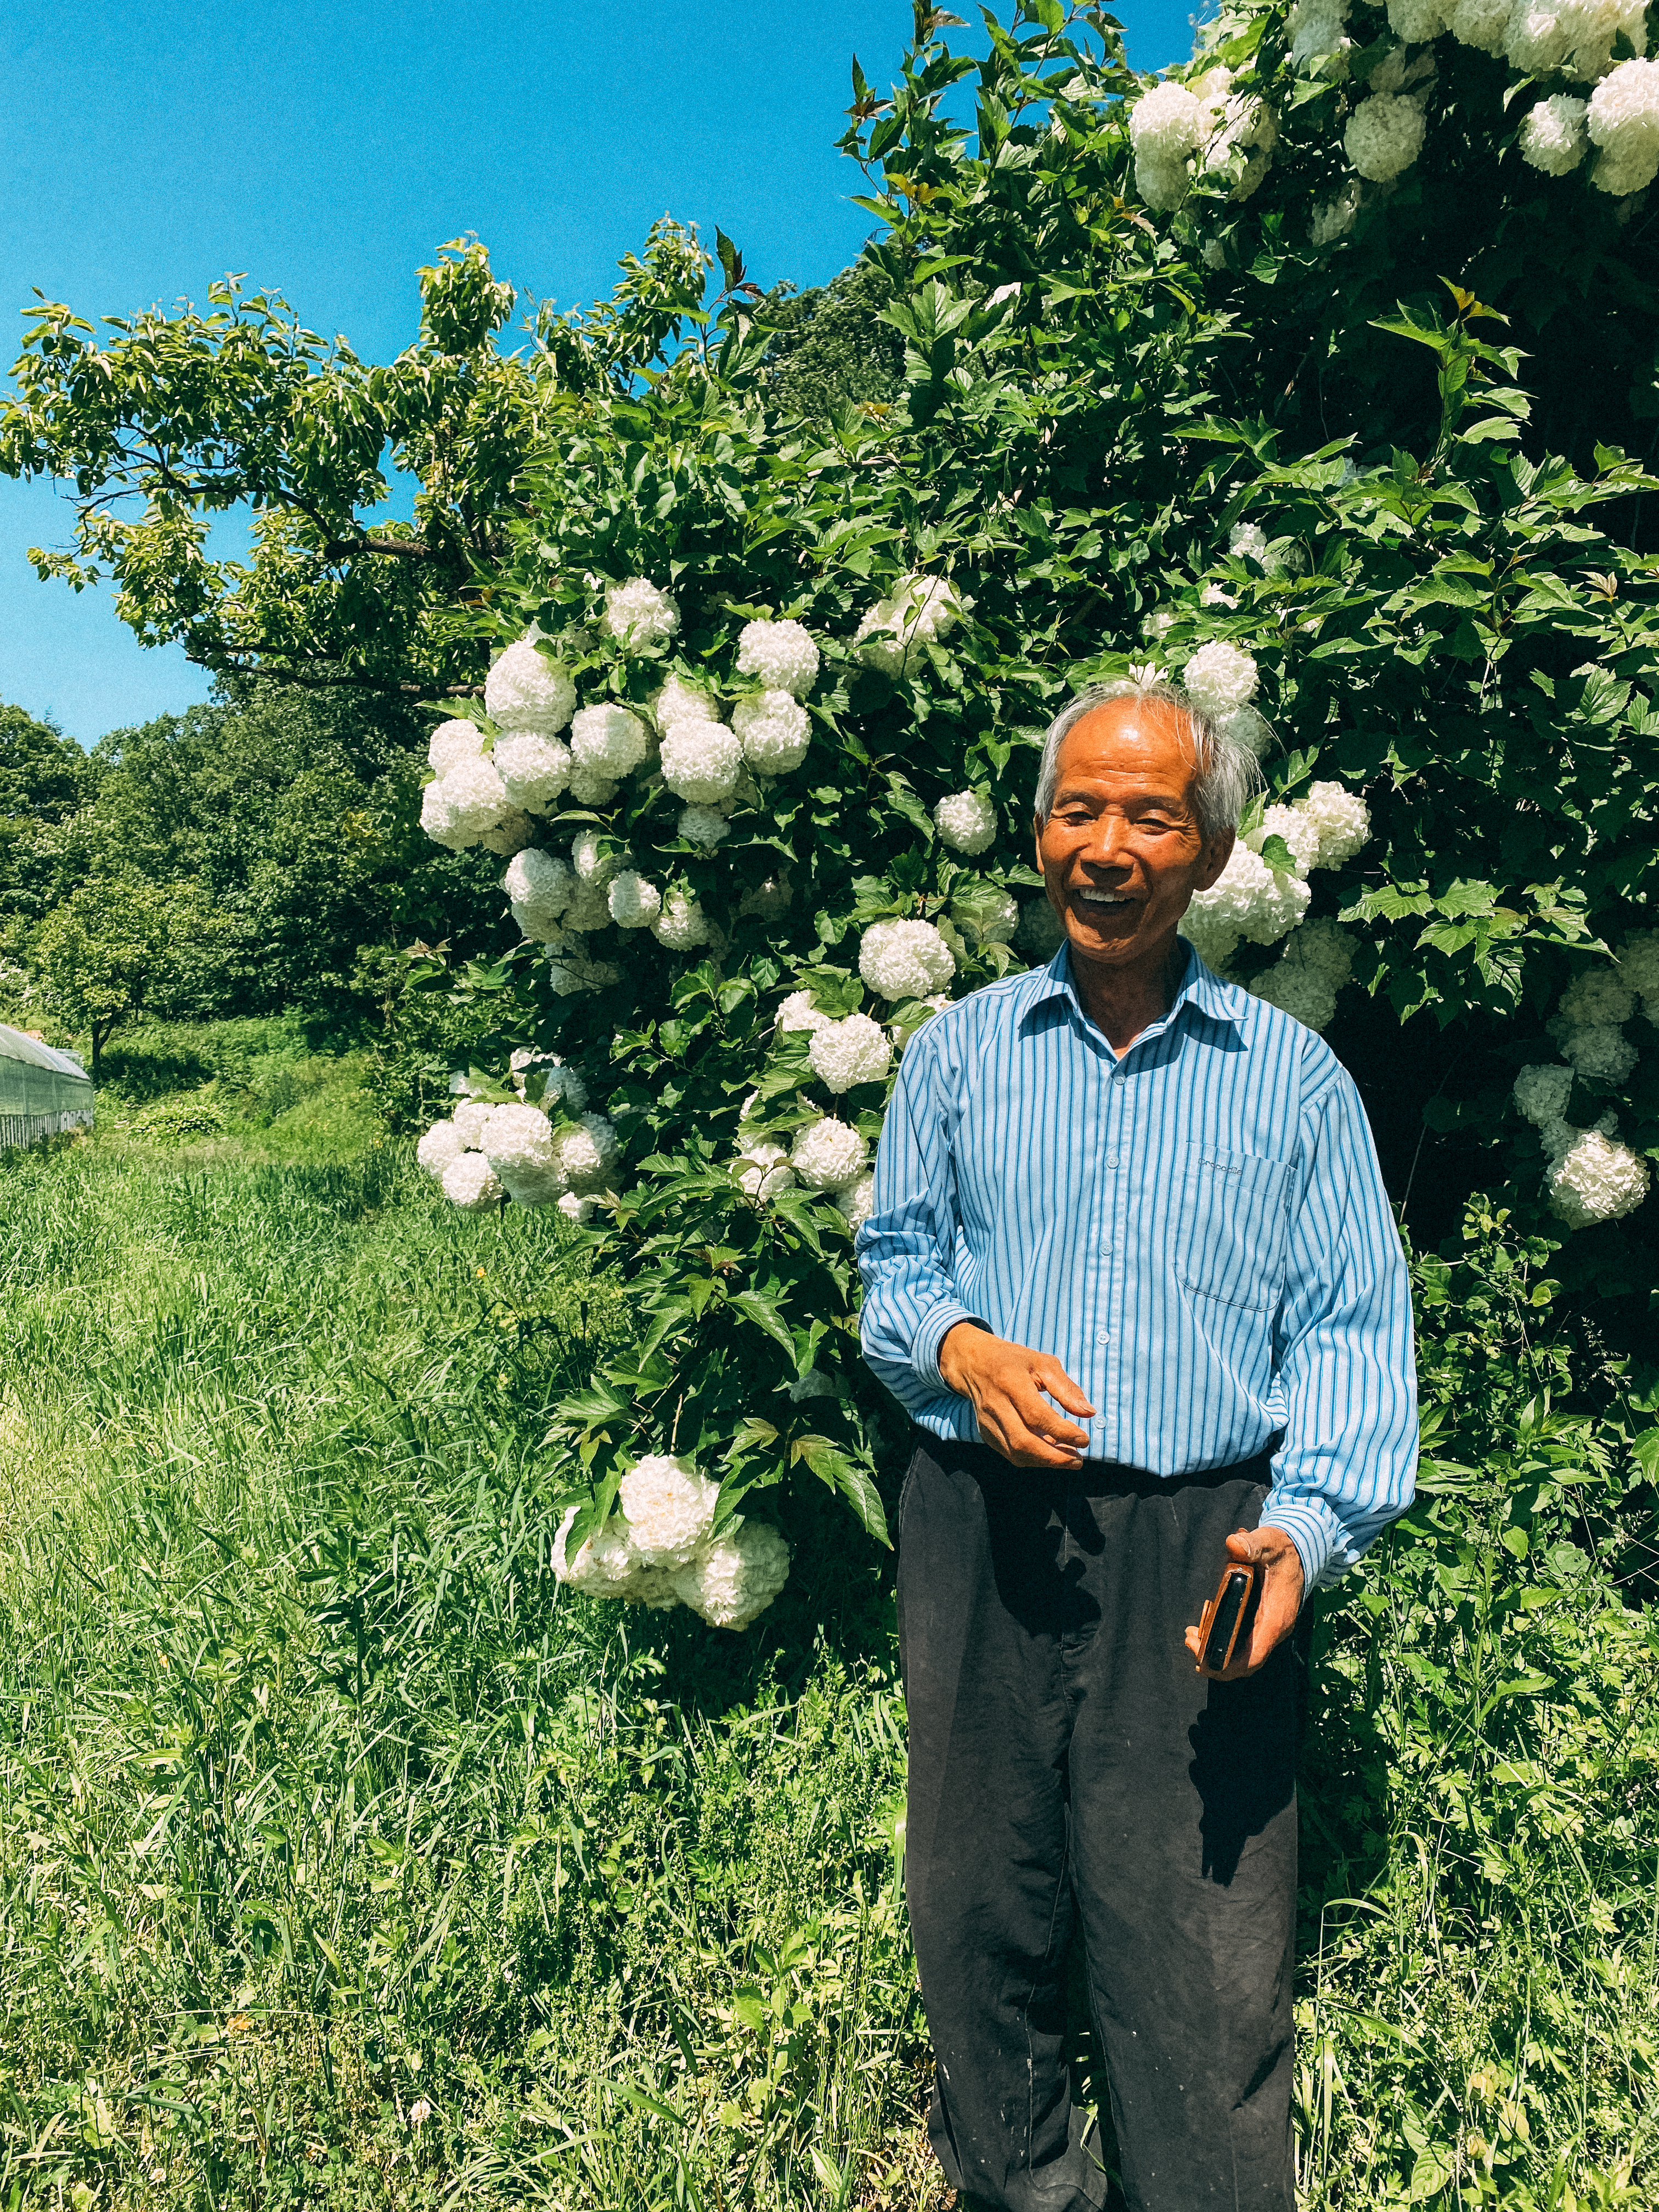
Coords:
pixel 1196 1228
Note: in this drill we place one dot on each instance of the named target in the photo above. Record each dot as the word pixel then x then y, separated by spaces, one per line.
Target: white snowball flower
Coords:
pixel 921 608
pixel 1168 121
pixel 593 863
pixel 510 835
pixel 733 1581
pixel 1315 963
pixel 1248 900
pixel 850 1052
pixel 539 886
pixel 1301 992
pixel 827 1155
pixel 669 1508
pixel 607 741
pixel 1317 27
pixel 1599 1049
pixel 519 1145
pixel 1553 137
pixel 763 1169
pixel 1541 1092
pixel 634 901
pixel 577 1210
pixel 856 1202
pixel 1212 595
pixel 1219 679
pixel 1298 832
pixel 704 826
pixel 1247 541
pixel 1417 21
pixel 1483 24
pixel 533 769
pixel 1341 819
pixel 608 1565
pixel 564 1087
pixel 524 691
pixel 1040 932
pixel 1334 218
pixel 472 1120
pixel 1597 1179
pixel 587 1153
pixel 781 653
pixel 682 923
pixel 1599 994
pixel 589 908
pixel 776 730
pixel 966 822
pixel 1384 135
pixel 465 801
pixel 797 1013
pixel 639 616
pixel 1638 968
pixel 905 959
pixel 700 761
pixel 442 1143
pixel 588 788
pixel 680 701
pixel 470 1183
pixel 452 742
pixel 1162 184
pixel 999 916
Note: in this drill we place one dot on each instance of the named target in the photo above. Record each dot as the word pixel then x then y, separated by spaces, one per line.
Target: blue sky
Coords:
pixel 327 149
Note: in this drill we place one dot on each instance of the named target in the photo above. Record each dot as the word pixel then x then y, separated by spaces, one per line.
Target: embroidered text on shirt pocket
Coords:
pixel 1230 1229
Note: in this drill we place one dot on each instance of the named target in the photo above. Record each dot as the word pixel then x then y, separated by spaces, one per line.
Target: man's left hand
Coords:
pixel 1279 1575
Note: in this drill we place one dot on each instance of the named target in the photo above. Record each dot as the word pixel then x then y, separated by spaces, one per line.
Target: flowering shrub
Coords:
pixel 813 680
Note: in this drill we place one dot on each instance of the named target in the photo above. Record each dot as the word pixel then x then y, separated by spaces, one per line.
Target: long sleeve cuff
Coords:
pixel 934 1327
pixel 1319 1537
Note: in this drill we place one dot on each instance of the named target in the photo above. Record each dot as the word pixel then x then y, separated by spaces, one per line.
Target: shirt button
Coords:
pixel 1110 1160
pixel 1103 1336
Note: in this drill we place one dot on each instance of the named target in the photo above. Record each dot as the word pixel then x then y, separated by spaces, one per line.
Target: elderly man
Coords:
pixel 1131 1270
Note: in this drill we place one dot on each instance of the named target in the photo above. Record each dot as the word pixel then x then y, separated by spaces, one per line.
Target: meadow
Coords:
pixel 346 1860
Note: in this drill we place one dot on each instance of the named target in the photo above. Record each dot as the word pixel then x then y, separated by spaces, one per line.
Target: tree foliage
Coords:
pixel 1392 467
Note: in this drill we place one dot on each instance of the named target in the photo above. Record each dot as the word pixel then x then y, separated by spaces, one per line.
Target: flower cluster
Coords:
pixel 1260 904
pixel 1315 963
pixel 905 959
pixel 782 654
pixel 967 821
pixel 485 1153
pixel 1220 680
pixel 1587 1025
pixel 659 1549
pixel 1175 121
pixel 849 1052
pixel 1589 1176
pixel 919 611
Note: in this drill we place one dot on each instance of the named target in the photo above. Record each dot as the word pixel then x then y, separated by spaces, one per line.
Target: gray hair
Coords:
pixel 1228 774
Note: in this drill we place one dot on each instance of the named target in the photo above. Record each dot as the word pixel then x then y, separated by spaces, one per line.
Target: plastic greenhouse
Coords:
pixel 41 1091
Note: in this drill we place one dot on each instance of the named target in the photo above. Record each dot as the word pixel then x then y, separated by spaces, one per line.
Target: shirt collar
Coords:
pixel 1199 988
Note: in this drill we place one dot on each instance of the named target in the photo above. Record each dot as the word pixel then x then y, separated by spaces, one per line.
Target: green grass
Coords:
pixel 345 1860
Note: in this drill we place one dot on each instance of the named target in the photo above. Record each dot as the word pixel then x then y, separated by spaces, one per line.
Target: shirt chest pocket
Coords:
pixel 1230 1228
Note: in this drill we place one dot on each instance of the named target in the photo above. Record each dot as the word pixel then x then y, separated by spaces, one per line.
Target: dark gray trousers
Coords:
pixel 1069 1768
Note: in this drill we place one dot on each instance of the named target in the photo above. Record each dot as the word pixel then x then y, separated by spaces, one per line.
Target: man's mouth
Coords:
pixel 1103 898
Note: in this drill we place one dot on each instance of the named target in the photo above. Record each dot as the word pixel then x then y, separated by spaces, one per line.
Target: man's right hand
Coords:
pixel 1006 1383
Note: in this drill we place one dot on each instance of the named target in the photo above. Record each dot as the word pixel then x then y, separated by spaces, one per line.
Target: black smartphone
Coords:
pixel 1227 1621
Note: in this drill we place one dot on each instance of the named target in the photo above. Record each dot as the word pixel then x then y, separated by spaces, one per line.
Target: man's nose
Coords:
pixel 1107 844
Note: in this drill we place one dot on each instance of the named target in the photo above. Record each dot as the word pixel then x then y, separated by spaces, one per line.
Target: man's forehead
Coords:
pixel 1137 739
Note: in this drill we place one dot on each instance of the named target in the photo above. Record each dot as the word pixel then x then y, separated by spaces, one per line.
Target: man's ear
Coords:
pixel 1036 840
pixel 1217 851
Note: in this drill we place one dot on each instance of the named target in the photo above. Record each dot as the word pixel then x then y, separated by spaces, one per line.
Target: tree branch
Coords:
pixel 313 679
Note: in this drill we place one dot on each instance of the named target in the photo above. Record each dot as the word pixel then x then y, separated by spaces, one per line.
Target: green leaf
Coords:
pixel 837 1472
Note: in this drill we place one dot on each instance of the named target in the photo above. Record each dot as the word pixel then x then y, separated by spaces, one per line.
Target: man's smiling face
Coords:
pixel 1122 850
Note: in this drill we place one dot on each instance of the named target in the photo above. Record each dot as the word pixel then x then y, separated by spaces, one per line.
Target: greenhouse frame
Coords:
pixel 42 1091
